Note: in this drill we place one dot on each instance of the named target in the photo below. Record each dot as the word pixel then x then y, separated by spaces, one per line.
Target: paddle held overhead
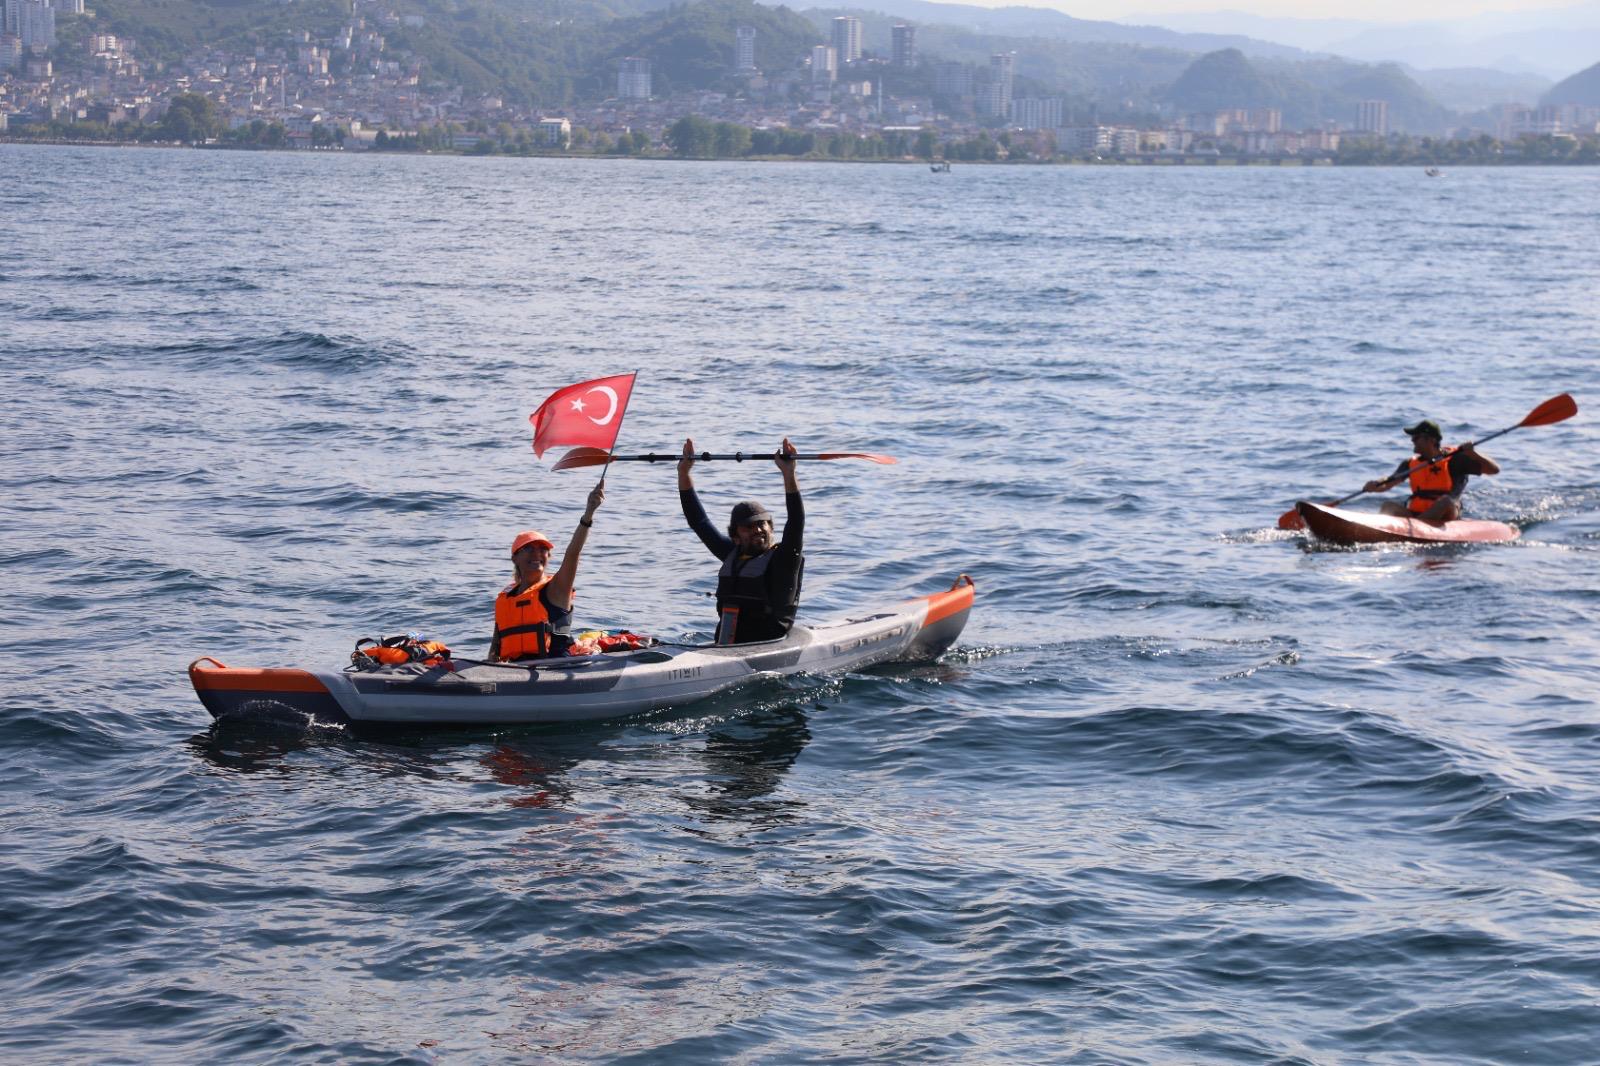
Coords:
pixel 599 457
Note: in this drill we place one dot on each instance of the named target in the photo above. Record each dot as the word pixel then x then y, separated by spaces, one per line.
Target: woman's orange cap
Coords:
pixel 530 536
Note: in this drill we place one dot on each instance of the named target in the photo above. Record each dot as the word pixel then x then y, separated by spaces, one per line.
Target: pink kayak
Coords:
pixel 1339 526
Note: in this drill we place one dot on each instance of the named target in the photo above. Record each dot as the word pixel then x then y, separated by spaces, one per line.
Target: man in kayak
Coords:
pixel 1438 475
pixel 758 587
pixel 533 614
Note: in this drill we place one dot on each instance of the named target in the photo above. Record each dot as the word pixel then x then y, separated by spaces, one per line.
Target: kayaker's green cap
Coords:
pixel 1426 426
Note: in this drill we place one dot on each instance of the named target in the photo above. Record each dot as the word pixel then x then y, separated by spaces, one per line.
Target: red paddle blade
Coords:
pixel 1291 519
pixel 582 457
pixel 886 460
pixel 1556 409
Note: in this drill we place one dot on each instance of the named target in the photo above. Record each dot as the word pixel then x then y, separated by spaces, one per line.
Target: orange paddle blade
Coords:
pixel 1556 409
pixel 582 457
pixel 886 460
pixel 1291 519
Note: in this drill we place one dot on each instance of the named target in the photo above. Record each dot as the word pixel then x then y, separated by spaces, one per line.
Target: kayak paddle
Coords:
pixel 599 457
pixel 1556 409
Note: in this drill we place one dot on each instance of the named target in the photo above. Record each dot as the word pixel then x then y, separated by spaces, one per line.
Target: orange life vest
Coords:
pixel 1430 479
pixel 524 629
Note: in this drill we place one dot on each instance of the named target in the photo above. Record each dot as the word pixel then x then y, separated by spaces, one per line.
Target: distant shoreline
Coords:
pixel 1153 162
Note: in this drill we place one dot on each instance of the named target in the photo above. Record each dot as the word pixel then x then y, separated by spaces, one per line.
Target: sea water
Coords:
pixel 1187 789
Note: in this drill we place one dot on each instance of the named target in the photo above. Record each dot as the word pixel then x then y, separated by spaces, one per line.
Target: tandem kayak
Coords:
pixel 1339 526
pixel 579 688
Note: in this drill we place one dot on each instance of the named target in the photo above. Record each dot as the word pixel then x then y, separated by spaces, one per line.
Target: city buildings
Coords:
pixel 994 98
pixel 824 66
pixel 1036 114
pixel 1372 116
pixel 33 21
pixel 744 48
pixel 633 78
pixel 846 39
pixel 903 45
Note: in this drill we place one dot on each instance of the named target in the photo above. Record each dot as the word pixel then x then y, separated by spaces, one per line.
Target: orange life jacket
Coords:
pixel 391 651
pixel 524 629
pixel 1430 479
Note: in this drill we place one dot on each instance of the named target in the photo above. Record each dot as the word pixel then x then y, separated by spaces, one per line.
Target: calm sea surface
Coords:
pixel 1186 791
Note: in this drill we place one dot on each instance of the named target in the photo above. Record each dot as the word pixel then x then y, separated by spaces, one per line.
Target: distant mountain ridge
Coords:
pixel 1305 93
pixel 1551 43
pixel 1582 88
pixel 1050 24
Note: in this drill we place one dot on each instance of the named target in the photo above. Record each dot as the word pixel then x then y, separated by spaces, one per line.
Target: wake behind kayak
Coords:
pixel 579 688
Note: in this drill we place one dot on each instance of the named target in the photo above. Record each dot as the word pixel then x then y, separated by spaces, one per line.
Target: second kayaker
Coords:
pixel 1437 475
pixel 533 614
pixel 758 587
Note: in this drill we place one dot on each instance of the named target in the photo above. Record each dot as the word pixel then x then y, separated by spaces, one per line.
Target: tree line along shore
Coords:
pixel 192 121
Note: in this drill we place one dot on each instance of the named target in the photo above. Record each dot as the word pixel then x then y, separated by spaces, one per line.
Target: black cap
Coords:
pixel 747 512
pixel 1428 426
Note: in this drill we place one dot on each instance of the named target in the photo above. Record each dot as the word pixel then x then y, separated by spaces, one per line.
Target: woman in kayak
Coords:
pixel 533 614
pixel 758 588
pixel 1438 476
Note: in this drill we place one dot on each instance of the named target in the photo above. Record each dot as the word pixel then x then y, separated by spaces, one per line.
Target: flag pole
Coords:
pixel 611 451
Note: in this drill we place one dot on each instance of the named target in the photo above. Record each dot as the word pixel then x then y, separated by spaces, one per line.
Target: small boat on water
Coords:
pixel 940 168
pixel 1433 172
pixel 578 688
pixel 1337 525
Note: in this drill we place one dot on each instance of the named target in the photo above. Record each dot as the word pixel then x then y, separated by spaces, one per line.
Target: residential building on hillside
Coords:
pixel 34 21
pixel 995 98
pixel 1031 113
pixel 633 78
pixel 555 132
pixel 952 79
pixel 745 48
pixel 824 66
pixel 847 39
pixel 1372 116
pixel 903 42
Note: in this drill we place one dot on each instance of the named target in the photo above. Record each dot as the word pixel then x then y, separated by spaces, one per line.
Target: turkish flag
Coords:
pixel 586 415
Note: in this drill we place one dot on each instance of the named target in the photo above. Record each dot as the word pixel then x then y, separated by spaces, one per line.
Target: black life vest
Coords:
pixel 748 609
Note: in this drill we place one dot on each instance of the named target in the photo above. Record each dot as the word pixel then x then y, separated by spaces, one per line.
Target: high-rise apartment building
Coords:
pixel 952 79
pixel 745 48
pixel 34 21
pixel 846 39
pixel 633 78
pixel 824 66
pixel 1032 113
pixel 1372 116
pixel 903 41
pixel 1002 72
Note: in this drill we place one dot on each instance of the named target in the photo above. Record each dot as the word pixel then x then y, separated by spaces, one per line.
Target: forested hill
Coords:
pixel 1306 92
pixel 539 52
pixel 550 53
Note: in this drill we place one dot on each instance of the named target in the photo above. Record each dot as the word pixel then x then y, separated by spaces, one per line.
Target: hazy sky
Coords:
pixel 1365 10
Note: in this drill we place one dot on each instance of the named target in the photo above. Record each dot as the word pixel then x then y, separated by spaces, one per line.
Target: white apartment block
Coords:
pixel 824 66
pixel 745 48
pixel 1372 116
pixel 633 78
pixel 847 39
pixel 1031 113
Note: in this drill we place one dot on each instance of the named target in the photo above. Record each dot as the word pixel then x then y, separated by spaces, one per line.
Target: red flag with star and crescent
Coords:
pixel 585 415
